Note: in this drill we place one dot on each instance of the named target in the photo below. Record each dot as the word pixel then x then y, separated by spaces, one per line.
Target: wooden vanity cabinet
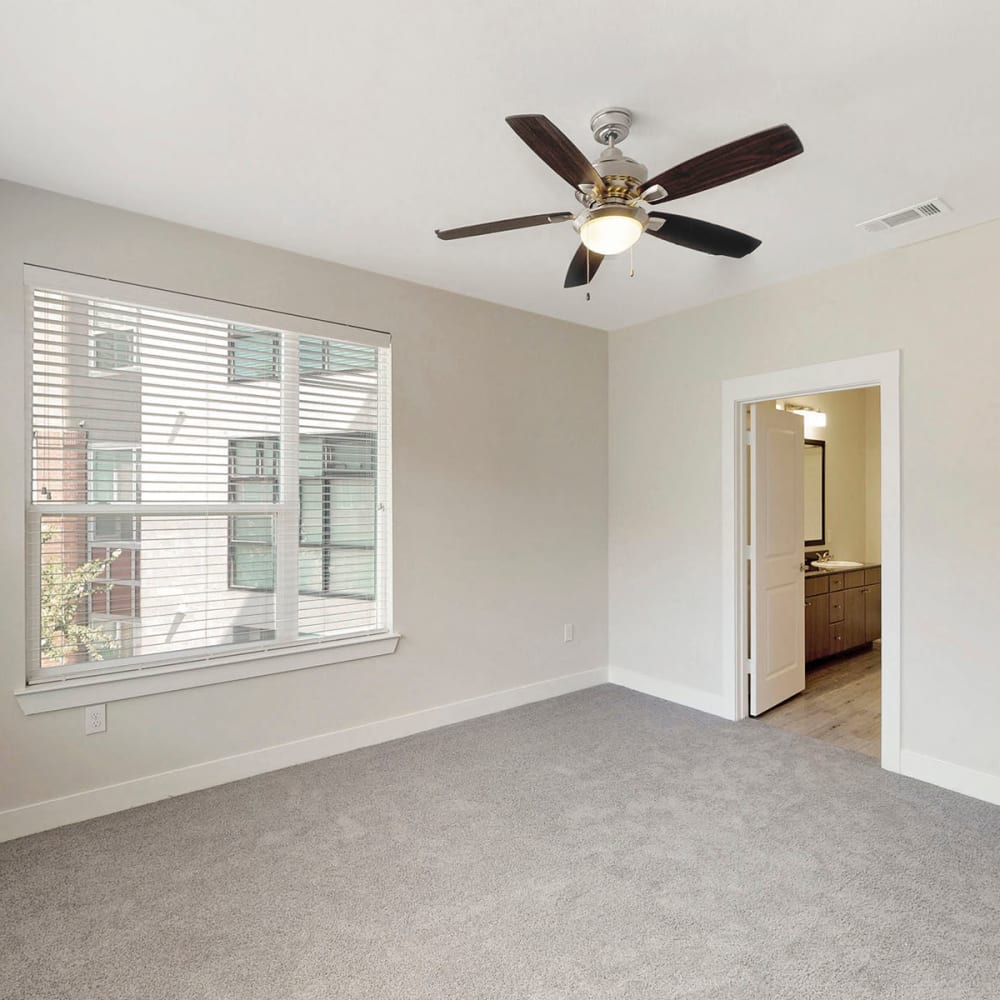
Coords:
pixel 817 626
pixel 853 625
pixel 843 611
pixel 873 603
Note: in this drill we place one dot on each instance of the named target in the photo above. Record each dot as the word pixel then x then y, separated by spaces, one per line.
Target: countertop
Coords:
pixel 830 572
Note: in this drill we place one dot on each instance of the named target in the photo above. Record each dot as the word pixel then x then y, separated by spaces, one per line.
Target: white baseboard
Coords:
pixel 978 784
pixel 51 813
pixel 681 694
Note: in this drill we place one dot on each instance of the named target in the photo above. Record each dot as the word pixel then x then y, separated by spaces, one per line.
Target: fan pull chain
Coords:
pixel 588 274
pixel 631 262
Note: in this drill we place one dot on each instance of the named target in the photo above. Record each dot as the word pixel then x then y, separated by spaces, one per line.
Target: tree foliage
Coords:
pixel 64 628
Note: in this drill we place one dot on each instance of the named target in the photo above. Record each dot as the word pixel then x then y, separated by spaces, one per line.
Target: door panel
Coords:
pixel 780 524
pixel 785 654
pixel 777 662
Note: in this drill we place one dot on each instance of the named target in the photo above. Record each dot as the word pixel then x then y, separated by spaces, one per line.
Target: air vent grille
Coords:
pixel 904 216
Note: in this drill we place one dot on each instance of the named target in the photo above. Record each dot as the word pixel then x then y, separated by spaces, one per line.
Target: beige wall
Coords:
pixel 500 441
pixel 938 303
pixel 852 481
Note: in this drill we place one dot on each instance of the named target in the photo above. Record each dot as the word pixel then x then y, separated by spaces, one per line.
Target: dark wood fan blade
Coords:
pixel 728 163
pixel 704 236
pixel 503 225
pixel 550 145
pixel 577 273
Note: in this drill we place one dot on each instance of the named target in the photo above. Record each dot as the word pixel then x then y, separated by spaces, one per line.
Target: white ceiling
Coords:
pixel 349 131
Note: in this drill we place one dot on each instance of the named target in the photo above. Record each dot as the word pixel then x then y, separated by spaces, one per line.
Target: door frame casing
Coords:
pixel 880 370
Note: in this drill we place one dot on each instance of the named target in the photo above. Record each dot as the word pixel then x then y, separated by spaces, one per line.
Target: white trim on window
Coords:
pixel 232 312
pixel 72 692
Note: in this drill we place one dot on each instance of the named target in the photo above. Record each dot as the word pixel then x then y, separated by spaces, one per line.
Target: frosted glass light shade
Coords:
pixel 612 230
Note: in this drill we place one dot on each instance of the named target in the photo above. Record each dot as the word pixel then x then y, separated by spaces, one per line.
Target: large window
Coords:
pixel 221 486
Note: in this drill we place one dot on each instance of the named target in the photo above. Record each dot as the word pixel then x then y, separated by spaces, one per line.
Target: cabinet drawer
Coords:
pixel 837 607
pixel 855 578
pixel 873 575
pixel 836 642
pixel 836 581
pixel 816 585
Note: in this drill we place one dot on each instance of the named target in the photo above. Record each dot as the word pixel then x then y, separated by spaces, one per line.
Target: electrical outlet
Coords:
pixel 95 719
pixel 567 633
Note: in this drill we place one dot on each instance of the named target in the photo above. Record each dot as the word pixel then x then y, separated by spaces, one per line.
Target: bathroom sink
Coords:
pixel 836 564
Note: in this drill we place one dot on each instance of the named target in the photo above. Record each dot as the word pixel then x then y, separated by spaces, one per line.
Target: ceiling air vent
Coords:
pixel 904 216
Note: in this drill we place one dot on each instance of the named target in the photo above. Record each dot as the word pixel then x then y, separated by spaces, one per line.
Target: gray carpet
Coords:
pixel 601 845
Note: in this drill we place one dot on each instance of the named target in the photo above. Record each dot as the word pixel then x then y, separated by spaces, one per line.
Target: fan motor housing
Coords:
pixel 613 162
pixel 623 179
pixel 622 175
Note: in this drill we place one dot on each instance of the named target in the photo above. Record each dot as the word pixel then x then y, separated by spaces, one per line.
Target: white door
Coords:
pixel 777 618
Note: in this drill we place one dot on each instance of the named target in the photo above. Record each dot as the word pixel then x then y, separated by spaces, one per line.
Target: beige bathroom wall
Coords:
pixel 851 450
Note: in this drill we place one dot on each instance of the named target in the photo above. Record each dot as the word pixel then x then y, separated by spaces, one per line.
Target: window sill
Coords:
pixel 52 696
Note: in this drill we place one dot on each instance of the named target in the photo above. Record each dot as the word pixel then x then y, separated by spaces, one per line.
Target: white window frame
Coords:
pixel 58 689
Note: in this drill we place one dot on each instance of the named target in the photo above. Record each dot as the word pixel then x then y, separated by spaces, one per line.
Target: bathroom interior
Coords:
pixel 841 703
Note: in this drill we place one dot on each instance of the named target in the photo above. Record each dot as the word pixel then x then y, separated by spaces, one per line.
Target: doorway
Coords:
pixel 835 692
pixel 881 370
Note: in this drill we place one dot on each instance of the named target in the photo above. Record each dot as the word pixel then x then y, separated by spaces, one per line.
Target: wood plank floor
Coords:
pixel 842 703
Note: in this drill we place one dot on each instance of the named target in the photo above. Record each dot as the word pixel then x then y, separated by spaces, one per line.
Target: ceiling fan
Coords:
pixel 615 189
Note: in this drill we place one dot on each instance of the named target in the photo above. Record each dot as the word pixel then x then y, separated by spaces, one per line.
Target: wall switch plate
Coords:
pixel 567 633
pixel 95 719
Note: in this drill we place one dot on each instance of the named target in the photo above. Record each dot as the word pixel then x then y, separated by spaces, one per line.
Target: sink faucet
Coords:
pixel 822 556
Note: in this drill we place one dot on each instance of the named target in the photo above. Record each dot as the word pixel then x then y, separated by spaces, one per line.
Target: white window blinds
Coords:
pixel 206 480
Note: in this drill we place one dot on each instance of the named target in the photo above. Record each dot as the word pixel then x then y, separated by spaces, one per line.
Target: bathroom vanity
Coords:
pixel 843 610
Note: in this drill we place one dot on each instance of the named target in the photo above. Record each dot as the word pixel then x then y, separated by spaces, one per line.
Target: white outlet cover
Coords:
pixel 95 719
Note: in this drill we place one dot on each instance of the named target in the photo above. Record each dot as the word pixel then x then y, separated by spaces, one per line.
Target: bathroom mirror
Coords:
pixel 814 476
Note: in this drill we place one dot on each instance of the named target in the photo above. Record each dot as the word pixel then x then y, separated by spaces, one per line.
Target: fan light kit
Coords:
pixel 614 190
pixel 611 229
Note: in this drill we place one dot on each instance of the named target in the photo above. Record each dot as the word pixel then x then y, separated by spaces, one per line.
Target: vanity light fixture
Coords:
pixel 813 418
